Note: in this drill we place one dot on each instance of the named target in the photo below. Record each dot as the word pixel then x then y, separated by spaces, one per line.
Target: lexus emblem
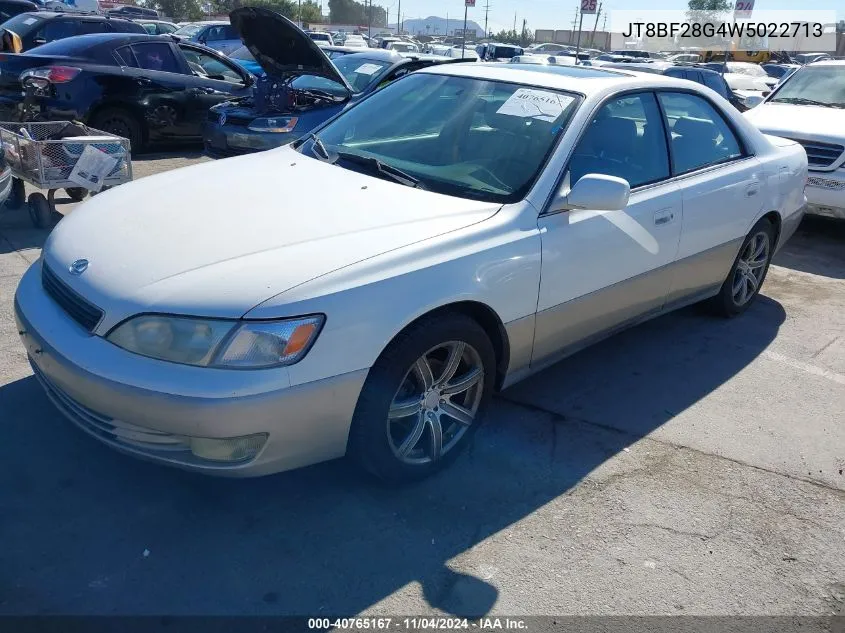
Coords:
pixel 78 267
pixel 222 118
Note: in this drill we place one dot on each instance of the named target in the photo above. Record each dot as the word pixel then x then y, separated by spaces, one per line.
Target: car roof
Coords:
pixel 93 39
pixel 49 15
pixel 586 80
pixel 829 62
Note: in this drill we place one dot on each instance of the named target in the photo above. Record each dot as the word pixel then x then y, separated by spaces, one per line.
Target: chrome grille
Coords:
pixel 820 155
pixel 107 428
pixel 80 310
pixel 826 183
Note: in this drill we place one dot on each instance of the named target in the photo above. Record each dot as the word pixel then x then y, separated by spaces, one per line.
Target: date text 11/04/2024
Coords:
pixel 418 624
pixel 732 29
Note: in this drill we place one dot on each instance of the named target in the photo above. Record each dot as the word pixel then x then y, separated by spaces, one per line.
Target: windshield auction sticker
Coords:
pixel 367 69
pixel 535 104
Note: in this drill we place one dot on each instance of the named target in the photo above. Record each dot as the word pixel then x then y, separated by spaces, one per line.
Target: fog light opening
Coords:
pixel 230 449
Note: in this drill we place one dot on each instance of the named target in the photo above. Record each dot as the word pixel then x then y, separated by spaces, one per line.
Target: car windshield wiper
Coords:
pixel 804 101
pixel 317 144
pixel 391 172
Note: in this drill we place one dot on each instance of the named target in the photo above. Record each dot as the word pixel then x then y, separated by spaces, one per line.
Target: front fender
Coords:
pixel 495 263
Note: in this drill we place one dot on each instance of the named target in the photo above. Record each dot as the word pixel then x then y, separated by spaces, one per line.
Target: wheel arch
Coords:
pixel 134 110
pixel 776 220
pixel 489 321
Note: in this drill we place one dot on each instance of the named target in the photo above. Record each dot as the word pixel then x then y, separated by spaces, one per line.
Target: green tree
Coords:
pixel 716 6
pixel 179 9
pixel 352 12
pixel 311 13
pixel 514 37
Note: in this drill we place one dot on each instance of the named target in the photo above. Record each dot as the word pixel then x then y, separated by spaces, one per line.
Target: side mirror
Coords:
pixel 596 192
pixel 753 101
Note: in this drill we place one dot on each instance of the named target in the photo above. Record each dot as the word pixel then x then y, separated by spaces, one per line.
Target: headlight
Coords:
pixel 218 342
pixel 278 125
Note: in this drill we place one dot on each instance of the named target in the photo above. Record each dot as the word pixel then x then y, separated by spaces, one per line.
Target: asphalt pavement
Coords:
pixel 691 465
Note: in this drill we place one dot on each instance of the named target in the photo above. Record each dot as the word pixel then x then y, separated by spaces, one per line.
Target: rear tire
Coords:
pixel 77 194
pixel 748 273
pixel 404 426
pixel 39 211
pixel 120 122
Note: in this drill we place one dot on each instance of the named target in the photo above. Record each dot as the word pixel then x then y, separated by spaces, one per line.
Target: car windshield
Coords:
pixel 361 72
pixel 822 86
pixel 23 23
pixel 243 54
pixel 189 30
pixel 460 136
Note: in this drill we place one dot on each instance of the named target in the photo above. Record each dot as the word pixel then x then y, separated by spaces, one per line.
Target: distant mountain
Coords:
pixel 440 26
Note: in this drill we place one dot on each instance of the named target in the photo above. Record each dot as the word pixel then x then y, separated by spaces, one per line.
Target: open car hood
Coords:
pixel 280 47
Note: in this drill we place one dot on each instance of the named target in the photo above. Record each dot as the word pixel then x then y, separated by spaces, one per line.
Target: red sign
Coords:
pixel 470 3
pixel 589 6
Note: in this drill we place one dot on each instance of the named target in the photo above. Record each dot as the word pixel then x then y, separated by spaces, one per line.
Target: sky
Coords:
pixel 558 14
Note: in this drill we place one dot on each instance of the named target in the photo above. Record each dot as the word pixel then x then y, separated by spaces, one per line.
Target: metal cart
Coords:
pixel 47 164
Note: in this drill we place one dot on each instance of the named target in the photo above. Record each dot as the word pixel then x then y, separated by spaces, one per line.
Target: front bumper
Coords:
pixel 233 140
pixel 825 193
pixel 148 408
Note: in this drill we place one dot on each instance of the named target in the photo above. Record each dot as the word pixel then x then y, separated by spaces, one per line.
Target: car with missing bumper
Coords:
pixel 809 108
pixel 495 219
pixel 300 88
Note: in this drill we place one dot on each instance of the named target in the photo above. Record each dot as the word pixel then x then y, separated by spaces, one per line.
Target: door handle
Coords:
pixel 663 217
pixel 143 81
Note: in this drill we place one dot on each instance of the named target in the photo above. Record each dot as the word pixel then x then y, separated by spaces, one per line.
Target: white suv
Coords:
pixel 809 107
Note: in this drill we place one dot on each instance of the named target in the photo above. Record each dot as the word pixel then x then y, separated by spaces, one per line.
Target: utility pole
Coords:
pixel 299 14
pixel 578 44
pixel 575 19
pixel 486 13
pixel 370 21
pixel 447 24
pixel 464 34
pixel 522 41
pixel 514 22
pixel 595 24
pixel 399 19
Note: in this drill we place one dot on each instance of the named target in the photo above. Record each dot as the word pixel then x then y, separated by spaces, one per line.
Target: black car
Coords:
pixel 300 87
pixel 28 30
pixel 11 8
pixel 147 88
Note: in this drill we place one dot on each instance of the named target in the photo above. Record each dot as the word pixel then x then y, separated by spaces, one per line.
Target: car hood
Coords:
pixel 280 47
pixel 812 123
pixel 219 238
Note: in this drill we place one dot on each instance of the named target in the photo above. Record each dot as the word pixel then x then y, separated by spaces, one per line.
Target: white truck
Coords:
pixel 809 107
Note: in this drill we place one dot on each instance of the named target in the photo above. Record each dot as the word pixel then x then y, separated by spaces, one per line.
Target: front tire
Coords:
pixel 748 272
pixel 424 399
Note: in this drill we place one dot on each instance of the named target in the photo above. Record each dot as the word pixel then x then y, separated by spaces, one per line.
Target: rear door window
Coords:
pixel 57 30
pixel 700 135
pixel 156 56
pixel 92 26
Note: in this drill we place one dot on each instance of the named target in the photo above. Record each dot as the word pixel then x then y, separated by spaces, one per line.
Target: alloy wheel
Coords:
pixel 436 403
pixel 750 268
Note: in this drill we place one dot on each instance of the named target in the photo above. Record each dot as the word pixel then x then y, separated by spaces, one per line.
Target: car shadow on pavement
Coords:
pixel 817 247
pixel 90 531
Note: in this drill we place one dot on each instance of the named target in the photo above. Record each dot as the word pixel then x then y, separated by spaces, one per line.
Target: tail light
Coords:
pixel 51 74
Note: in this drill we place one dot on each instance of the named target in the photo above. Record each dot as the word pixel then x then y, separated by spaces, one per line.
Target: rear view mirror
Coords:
pixel 596 192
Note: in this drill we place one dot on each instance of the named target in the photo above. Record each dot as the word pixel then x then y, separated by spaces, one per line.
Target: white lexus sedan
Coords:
pixel 231 318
